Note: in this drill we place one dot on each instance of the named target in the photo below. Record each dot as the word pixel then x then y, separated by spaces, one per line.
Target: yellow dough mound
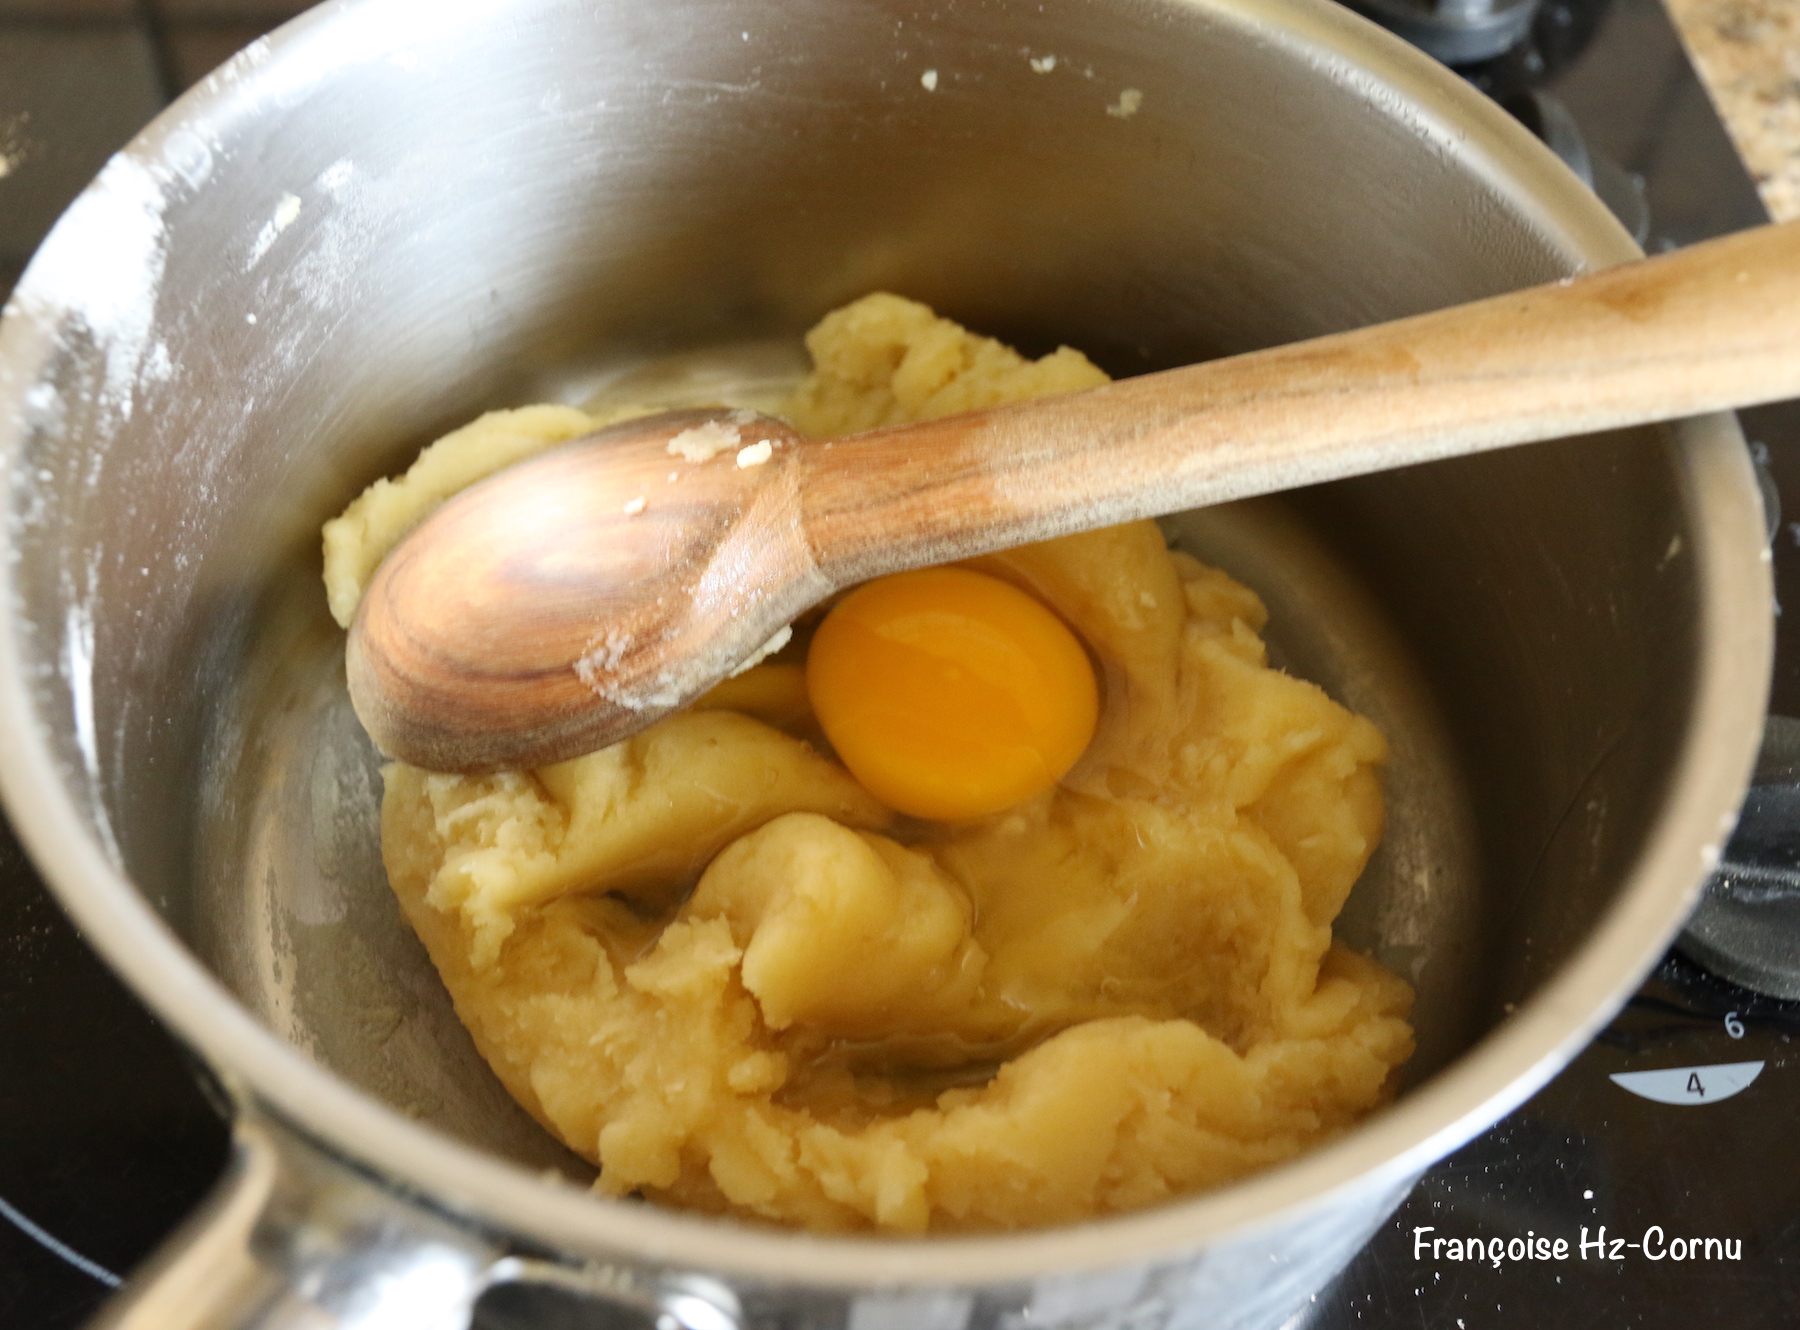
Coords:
pixel 709 961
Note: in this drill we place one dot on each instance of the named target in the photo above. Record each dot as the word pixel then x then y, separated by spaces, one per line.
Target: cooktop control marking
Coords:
pixel 1690 1085
pixel 49 1241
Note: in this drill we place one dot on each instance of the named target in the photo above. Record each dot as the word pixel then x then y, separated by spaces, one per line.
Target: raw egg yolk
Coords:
pixel 950 694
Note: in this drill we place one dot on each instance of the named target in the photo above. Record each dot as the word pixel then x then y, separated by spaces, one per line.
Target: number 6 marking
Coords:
pixel 1733 1026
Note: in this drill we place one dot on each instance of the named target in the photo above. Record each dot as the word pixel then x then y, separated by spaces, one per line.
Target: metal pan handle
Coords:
pixel 296 1238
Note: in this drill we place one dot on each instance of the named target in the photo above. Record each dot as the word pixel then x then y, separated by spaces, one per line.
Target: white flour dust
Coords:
pixel 285 213
pixel 101 273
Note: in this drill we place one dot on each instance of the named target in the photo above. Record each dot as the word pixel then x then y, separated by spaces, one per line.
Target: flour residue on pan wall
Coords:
pixel 90 300
pixel 101 272
pixel 285 213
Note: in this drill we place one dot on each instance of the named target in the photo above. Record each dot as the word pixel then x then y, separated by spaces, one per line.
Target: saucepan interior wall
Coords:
pixel 378 232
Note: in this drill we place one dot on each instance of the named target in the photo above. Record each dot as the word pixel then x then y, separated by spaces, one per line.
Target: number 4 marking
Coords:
pixel 1690 1085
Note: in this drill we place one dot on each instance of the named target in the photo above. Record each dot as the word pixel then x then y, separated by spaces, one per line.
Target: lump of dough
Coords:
pixel 843 930
pixel 1111 995
pixel 639 819
pixel 885 360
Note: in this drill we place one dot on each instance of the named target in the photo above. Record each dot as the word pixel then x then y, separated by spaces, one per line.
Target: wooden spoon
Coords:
pixel 566 602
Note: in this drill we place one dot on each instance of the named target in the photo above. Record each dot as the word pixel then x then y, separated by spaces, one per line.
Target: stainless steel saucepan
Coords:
pixel 391 216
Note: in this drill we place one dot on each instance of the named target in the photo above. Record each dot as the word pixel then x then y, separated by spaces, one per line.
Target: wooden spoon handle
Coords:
pixel 1712 326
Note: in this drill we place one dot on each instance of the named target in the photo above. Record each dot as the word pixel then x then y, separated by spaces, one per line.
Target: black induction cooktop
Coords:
pixel 1654 1183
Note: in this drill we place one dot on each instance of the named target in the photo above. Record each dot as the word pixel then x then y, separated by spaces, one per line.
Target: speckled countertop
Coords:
pixel 1748 55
